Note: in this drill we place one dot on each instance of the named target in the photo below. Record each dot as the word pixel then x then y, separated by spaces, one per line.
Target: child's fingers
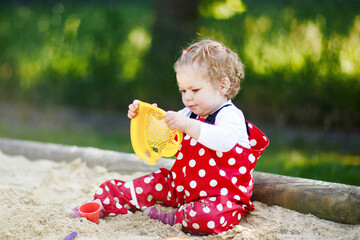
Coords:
pixel 131 115
pixel 171 119
pixel 169 115
pixel 133 108
pixel 135 103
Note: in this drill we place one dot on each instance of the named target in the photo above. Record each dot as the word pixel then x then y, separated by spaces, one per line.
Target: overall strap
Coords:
pixel 211 118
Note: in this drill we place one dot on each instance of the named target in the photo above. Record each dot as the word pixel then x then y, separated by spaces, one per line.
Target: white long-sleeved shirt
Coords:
pixel 228 130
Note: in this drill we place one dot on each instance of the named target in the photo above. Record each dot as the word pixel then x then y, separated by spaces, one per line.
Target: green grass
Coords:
pixel 333 157
pixel 300 155
pixel 326 165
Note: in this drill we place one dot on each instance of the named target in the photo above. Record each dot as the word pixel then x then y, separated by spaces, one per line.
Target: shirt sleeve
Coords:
pixel 228 130
pixel 185 111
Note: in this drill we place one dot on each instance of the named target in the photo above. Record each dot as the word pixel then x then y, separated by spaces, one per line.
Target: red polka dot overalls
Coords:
pixel 211 190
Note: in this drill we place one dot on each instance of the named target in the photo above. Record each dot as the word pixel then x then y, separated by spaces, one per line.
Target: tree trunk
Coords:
pixel 174 27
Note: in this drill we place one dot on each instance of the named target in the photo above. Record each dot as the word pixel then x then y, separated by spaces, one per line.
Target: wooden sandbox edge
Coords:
pixel 113 161
pixel 330 201
pixel 326 200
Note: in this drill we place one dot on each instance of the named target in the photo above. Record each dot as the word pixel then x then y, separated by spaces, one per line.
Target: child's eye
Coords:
pixel 195 90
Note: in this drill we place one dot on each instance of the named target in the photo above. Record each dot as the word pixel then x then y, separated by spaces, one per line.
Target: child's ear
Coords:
pixel 224 85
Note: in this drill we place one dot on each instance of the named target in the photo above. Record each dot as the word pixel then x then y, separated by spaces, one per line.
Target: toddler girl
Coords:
pixel 211 182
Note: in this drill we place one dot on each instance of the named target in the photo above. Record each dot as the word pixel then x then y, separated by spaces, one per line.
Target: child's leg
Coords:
pixel 119 197
pixel 210 215
pixel 164 216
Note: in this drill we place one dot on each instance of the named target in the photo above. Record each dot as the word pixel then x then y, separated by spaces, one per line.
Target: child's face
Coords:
pixel 198 93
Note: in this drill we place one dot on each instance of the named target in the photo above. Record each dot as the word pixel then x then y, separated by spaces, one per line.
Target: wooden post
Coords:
pixel 331 201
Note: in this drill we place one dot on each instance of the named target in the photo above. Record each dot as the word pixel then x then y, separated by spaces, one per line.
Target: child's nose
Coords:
pixel 188 95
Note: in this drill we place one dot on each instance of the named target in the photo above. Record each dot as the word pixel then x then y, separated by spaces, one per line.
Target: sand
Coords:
pixel 35 195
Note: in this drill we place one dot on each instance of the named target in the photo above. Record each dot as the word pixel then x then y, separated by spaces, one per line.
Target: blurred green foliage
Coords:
pixel 333 157
pixel 301 60
pixel 301 57
pixel 83 55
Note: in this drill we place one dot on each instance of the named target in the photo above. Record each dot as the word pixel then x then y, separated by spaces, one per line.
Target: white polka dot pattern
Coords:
pixel 203 193
pixel 99 191
pixel 206 210
pixel 231 161
pixel 242 170
pixel 224 191
pixel 106 201
pixel 234 180
pixel 158 187
pixel 220 179
pixel 139 190
pixel 201 152
pixel 195 226
pixel 253 142
pixel 211 224
pixel 251 158
pixel 213 183
pixel 193 184
pixel 180 188
pixel 238 150
pixel 147 180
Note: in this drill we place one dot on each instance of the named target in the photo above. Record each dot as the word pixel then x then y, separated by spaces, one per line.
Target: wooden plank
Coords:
pixel 331 201
pixel 113 161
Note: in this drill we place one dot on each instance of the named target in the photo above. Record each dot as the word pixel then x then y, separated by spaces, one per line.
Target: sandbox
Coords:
pixel 40 181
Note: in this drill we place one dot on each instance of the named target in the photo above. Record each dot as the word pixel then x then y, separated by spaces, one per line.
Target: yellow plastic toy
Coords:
pixel 150 136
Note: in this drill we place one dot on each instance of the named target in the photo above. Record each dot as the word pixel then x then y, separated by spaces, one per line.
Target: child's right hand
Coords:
pixel 133 108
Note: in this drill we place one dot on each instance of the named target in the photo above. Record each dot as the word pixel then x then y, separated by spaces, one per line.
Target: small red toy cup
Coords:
pixel 91 211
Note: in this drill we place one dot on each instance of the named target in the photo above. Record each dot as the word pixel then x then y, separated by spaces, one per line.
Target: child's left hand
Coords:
pixel 177 121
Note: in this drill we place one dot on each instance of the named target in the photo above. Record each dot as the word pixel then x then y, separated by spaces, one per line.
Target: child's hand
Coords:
pixel 133 108
pixel 176 121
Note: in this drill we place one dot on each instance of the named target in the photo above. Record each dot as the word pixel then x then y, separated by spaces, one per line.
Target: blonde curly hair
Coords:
pixel 216 61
